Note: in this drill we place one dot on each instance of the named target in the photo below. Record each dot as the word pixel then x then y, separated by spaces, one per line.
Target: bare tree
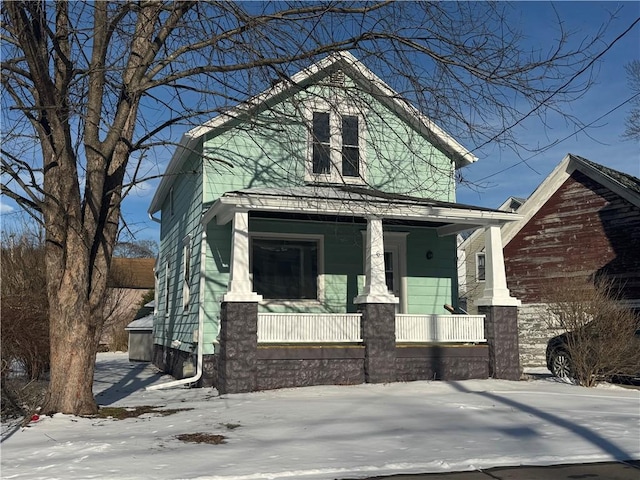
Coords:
pixel 633 120
pixel 93 92
pixel 597 338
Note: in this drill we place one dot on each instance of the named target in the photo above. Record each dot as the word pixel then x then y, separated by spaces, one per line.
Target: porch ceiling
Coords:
pixel 345 201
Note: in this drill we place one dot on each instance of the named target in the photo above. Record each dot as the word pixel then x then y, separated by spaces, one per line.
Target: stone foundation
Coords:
pixel 172 362
pixel 501 332
pixel 303 366
pixel 378 327
pixel 440 362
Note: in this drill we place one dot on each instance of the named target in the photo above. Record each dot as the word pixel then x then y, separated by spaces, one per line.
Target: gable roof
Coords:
pixel 351 67
pixel 624 185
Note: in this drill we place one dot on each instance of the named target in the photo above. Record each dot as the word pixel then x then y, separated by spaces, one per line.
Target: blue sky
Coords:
pixel 498 173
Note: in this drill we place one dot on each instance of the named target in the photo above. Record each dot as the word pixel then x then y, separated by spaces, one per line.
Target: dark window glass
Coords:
pixel 350 147
pixel 321 143
pixel 285 269
pixel 388 270
pixel 481 266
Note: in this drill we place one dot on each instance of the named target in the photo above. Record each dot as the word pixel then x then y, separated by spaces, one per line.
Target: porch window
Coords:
pixel 285 269
pixel 480 267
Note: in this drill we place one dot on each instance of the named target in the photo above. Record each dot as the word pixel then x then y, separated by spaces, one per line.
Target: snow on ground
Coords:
pixel 325 432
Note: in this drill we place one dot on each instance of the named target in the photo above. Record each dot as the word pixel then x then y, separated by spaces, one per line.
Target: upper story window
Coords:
pixel 336 147
pixel 321 144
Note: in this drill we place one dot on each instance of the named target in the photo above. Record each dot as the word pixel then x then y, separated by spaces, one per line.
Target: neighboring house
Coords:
pixel 583 221
pixel 472 261
pixel 129 280
pixel 308 236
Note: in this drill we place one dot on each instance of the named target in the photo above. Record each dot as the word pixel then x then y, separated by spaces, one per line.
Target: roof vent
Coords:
pixel 337 78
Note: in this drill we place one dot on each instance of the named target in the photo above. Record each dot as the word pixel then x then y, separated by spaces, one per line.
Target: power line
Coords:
pixel 557 142
pixel 560 88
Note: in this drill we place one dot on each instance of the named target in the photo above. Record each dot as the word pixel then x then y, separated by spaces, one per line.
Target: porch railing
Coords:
pixel 308 327
pixel 440 328
pixel 345 328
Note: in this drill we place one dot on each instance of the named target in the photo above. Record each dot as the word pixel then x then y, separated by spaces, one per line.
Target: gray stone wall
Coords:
pixel 238 347
pixel 436 362
pixel 378 327
pixel 501 331
pixel 172 361
pixel 302 366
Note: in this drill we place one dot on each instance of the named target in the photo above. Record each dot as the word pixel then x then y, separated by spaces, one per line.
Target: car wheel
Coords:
pixel 561 364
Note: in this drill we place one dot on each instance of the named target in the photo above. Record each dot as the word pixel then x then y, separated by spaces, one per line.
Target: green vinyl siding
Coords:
pixel 431 282
pixel 272 148
pixel 182 219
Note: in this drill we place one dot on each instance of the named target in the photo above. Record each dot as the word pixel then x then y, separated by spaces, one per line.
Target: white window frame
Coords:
pixel 167 292
pixel 320 267
pixel 478 255
pixel 336 111
pixel 156 286
pixel 186 271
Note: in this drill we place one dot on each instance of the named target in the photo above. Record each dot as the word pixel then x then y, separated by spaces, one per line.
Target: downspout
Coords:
pixel 151 217
pixel 198 374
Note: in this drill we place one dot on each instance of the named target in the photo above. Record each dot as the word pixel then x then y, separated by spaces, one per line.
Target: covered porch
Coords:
pixel 372 343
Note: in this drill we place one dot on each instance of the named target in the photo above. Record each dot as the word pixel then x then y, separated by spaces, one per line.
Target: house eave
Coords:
pixel 452 218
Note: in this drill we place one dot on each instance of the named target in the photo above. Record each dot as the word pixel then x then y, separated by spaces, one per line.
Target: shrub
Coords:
pixel 598 330
pixel 24 307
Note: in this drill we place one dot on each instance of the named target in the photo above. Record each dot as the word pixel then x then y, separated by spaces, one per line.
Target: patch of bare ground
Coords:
pixel 209 438
pixel 121 413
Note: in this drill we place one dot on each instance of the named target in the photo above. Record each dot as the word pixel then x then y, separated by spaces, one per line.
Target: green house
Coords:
pixel 308 236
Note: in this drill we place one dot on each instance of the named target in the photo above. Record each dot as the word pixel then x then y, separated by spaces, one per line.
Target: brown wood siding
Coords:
pixel 585 230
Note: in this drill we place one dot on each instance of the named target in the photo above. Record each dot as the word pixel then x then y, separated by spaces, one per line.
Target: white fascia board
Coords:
pixel 279 88
pixel 539 197
pixel 223 209
pixel 397 103
pixel 186 145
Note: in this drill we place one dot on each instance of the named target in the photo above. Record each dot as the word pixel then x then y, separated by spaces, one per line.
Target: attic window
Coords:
pixel 336 147
pixel 337 78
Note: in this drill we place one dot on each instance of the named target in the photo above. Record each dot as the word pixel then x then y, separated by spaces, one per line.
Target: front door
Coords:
pixel 394 267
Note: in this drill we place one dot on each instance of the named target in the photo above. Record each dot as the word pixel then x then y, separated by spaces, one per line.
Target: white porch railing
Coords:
pixel 308 327
pixel 440 328
pixel 345 328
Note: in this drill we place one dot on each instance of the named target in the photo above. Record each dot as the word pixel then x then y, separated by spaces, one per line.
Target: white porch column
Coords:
pixel 495 284
pixel 239 288
pixel 375 287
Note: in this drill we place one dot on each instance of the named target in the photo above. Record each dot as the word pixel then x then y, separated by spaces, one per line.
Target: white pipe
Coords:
pixel 151 217
pixel 198 374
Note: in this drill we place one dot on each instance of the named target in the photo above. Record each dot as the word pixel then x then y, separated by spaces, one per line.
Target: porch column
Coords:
pixel 237 369
pixel 375 286
pixel 378 323
pixel 500 310
pixel 239 288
